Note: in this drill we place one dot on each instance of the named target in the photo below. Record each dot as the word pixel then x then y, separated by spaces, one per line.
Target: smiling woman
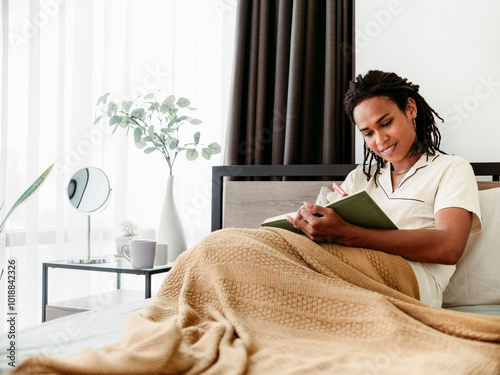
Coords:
pixel 58 57
pixel 430 196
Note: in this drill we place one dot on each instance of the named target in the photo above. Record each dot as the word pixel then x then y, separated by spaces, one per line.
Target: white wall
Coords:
pixel 449 48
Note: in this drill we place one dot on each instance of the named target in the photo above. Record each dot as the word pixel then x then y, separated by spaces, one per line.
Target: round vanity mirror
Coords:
pixel 89 192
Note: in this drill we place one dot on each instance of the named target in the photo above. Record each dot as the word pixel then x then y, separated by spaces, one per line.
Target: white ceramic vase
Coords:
pixel 171 230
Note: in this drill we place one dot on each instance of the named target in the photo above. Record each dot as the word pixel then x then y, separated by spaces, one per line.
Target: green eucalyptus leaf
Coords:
pixel 125 122
pixel 194 121
pixel 196 138
pixel 149 96
pixel 170 100
pixel 191 154
pixel 115 119
pixel 103 99
pixel 164 108
pixel 97 119
pixel 140 144
pixel 147 139
pixel 137 134
pixel 151 132
pixel 154 106
pixel 157 144
pixel 214 148
pixel 168 104
pixel 126 105
pixel 149 150
pixel 183 102
pixel 111 109
pixel 174 142
pixel 138 112
pixel 206 153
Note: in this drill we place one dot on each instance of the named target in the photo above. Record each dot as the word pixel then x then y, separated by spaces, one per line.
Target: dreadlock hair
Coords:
pixel 390 85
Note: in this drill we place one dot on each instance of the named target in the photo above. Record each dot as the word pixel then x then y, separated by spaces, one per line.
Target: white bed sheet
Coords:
pixel 479 309
pixel 71 334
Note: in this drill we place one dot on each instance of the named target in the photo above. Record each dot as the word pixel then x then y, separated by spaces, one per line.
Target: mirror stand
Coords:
pixel 89 192
pixel 89 259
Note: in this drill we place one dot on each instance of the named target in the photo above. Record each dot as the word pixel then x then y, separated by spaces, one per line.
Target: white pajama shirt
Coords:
pixel 433 183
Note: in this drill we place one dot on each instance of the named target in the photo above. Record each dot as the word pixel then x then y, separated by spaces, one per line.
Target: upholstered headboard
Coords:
pixel 245 204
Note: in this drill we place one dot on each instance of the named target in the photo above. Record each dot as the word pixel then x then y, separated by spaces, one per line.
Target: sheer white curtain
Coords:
pixel 58 57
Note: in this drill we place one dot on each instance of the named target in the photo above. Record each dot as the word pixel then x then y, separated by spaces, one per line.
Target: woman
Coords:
pixel 432 197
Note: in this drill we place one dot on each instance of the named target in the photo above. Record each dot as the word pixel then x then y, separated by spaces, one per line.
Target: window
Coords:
pixel 58 57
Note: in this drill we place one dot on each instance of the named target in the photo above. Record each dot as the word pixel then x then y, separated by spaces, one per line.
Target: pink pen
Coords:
pixel 339 190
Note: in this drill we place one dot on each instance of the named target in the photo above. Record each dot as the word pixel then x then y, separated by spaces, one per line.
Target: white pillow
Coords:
pixel 477 278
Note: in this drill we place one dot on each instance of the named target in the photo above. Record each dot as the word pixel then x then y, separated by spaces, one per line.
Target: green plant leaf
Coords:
pixel 137 134
pixel 27 194
pixel 168 104
pixel 183 102
pixel 111 109
pixel 138 112
pixel 126 105
pixel 173 144
pixel 149 96
pixel 140 144
pixel 149 150
pixel 103 99
pixel 114 129
pixel 214 148
pixel 151 132
pixel 194 121
pixel 97 119
pixel 196 138
pixel 124 122
pixel 154 106
pixel 191 154
pixel 176 120
pixel 115 119
pixel 206 153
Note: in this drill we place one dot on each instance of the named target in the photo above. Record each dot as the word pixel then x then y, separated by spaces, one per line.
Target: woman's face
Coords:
pixel 387 131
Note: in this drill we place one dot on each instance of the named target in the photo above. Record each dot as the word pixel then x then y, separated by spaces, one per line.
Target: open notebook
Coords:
pixel 358 209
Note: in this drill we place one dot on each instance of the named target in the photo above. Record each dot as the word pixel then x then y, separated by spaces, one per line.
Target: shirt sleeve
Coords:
pixel 458 188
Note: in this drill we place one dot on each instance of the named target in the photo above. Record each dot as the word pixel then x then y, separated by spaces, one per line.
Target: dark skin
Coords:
pixel 390 133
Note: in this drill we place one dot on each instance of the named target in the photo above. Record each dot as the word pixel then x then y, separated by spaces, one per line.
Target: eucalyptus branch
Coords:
pixel 156 125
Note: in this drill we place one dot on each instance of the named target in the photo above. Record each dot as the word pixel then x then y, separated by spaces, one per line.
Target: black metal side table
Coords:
pixel 117 266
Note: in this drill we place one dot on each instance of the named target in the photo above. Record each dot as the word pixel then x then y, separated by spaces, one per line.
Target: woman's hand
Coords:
pixel 318 223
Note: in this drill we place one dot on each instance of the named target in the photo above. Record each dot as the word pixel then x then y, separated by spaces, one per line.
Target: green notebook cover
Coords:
pixel 358 209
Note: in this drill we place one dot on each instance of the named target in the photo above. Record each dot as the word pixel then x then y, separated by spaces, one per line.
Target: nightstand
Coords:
pixel 115 265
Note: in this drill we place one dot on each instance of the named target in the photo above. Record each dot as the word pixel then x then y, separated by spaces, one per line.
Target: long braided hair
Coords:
pixel 390 85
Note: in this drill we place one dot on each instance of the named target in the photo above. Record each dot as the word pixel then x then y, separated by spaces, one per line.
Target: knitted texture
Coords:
pixel 269 301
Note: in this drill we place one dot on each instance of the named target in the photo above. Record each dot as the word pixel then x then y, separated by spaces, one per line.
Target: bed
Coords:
pixel 240 201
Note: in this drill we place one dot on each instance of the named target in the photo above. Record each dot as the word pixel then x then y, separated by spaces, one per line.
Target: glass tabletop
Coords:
pixel 114 263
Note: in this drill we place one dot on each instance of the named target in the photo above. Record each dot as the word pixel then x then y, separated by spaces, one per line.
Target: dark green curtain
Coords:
pixel 293 62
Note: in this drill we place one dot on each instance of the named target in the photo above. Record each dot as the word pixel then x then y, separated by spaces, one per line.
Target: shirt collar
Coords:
pixel 385 173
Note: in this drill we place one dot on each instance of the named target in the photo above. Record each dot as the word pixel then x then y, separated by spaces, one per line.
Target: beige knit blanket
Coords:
pixel 269 301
